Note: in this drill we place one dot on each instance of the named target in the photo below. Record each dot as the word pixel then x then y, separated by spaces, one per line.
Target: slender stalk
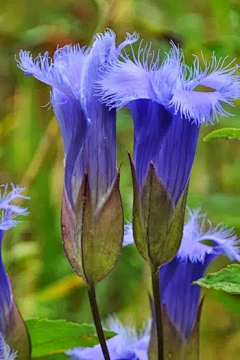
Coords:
pixel 158 313
pixel 97 320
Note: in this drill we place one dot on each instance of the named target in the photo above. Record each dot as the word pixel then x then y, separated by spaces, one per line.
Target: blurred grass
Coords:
pixel 31 153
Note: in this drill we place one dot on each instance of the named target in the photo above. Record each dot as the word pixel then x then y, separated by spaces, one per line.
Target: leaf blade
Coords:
pixel 51 337
pixel 226 133
pixel 227 279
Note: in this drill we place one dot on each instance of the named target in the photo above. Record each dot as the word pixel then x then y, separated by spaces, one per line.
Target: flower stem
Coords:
pixel 158 313
pixel 97 320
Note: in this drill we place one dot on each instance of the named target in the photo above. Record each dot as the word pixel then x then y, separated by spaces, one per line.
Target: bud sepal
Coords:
pixel 92 236
pixel 157 221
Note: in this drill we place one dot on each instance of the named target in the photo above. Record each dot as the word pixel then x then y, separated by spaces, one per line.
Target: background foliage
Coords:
pixel 31 154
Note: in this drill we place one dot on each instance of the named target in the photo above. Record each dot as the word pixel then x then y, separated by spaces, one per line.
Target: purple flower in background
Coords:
pixel 201 244
pixel 168 101
pixel 5 351
pixel 9 213
pixel 125 345
pixel 10 320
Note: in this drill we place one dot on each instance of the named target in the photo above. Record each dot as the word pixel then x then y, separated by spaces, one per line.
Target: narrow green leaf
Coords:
pixel 227 279
pixel 226 133
pixel 51 337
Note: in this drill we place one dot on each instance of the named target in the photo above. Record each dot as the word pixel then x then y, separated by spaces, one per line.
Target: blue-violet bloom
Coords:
pixel 201 244
pixel 168 101
pixel 91 201
pixel 88 128
pixel 127 344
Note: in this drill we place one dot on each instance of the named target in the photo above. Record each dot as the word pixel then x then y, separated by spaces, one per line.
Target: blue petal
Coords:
pixel 176 155
pixel 99 153
pixel 9 211
pixel 123 82
pixel 68 62
pixel 8 193
pixel 197 230
pixel 195 93
pixel 62 73
pixel 73 125
pixel 103 55
pixel 88 128
pixel 194 256
pixel 144 77
pixel 202 92
pixel 151 124
pixel 5 292
pixel 179 295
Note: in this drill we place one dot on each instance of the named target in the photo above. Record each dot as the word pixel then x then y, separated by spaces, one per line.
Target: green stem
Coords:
pixel 158 313
pixel 97 320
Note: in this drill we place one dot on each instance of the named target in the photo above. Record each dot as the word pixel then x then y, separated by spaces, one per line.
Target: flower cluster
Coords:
pixel 168 101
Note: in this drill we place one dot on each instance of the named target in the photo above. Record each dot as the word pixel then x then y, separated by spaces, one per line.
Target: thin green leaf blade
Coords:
pixel 51 337
pixel 226 133
pixel 227 279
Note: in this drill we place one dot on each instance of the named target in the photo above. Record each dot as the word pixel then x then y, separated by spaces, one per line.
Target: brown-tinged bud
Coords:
pixel 92 237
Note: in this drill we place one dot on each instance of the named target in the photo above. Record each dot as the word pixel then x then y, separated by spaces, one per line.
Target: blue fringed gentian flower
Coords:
pixel 12 328
pixel 92 216
pixel 201 244
pixel 126 345
pixel 168 101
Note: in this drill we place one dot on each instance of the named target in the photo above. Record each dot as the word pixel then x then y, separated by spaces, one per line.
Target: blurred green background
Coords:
pixel 31 154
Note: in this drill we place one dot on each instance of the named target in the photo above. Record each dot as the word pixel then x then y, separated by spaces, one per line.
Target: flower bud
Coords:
pixel 92 237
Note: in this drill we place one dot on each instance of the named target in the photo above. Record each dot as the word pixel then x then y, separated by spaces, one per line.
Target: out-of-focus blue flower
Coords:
pixel 5 351
pixel 201 244
pixel 168 101
pixel 127 345
pixel 7 221
pixel 12 328
pixel 88 128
